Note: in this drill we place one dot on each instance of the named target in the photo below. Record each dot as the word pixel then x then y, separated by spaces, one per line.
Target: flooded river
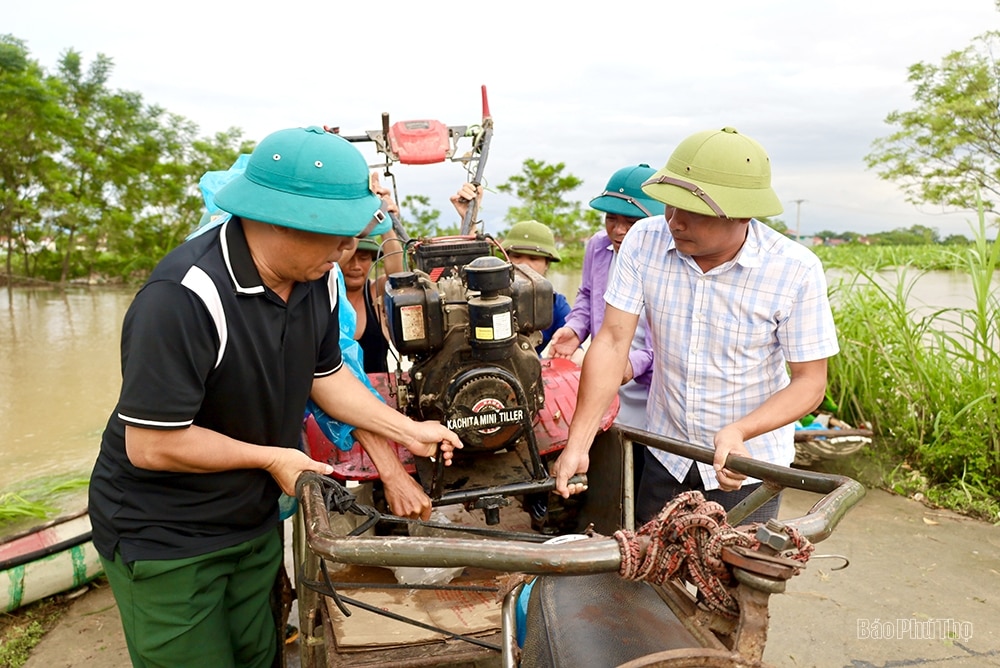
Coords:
pixel 60 374
pixel 59 378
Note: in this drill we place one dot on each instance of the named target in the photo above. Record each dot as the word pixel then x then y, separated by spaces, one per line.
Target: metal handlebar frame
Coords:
pixel 596 555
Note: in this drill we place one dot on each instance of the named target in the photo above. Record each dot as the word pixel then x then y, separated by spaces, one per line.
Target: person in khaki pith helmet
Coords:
pixel 739 318
pixel 528 242
pixel 532 244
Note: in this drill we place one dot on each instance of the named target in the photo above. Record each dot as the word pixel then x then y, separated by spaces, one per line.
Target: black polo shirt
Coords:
pixel 205 343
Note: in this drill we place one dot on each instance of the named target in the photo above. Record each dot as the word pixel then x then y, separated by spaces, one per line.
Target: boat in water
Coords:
pixel 47 559
pixel 821 436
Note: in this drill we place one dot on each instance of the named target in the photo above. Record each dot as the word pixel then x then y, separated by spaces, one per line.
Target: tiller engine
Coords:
pixel 469 322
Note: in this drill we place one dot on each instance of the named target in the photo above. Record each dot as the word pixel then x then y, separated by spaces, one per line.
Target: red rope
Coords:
pixel 685 542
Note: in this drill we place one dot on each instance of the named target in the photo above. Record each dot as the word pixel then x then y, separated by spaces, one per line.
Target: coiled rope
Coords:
pixel 685 542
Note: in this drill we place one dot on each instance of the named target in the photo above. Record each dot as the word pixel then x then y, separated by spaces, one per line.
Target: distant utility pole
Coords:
pixel 798 217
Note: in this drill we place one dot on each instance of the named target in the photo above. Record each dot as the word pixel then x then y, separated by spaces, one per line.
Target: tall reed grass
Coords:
pixel 928 383
pixel 930 257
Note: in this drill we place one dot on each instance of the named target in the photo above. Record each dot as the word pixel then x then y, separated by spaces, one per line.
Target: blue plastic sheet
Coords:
pixel 211 183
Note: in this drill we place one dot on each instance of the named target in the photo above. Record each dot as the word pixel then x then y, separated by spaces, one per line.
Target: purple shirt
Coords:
pixel 588 310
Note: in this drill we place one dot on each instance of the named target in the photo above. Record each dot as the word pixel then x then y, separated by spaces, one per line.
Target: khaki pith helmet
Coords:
pixel 368 244
pixel 717 173
pixel 529 237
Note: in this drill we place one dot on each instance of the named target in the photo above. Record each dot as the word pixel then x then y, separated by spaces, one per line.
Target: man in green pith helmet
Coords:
pixel 532 244
pixel 365 293
pixel 740 322
pixel 221 348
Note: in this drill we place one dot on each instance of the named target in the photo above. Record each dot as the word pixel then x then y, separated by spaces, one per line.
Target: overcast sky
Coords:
pixel 595 85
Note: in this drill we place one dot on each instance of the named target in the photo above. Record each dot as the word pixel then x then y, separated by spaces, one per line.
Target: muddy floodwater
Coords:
pixel 59 378
pixel 60 372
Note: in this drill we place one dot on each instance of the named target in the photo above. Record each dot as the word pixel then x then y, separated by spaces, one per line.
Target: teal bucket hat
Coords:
pixel 306 179
pixel 623 196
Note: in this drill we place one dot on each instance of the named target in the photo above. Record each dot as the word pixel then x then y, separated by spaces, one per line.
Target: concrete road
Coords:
pixel 922 589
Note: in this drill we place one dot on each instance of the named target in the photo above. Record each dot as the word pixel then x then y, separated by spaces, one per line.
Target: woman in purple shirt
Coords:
pixel 623 203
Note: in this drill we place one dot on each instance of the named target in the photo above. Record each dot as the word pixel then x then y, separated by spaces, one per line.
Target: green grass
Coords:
pixel 19 642
pixel 38 499
pixel 23 629
pixel 930 257
pixel 15 507
pixel 928 383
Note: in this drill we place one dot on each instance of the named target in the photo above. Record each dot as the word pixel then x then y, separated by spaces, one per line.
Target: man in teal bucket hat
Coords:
pixel 622 203
pixel 221 348
pixel 739 318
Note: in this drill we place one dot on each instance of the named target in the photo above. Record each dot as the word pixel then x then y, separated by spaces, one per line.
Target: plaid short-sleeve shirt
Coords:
pixel 721 339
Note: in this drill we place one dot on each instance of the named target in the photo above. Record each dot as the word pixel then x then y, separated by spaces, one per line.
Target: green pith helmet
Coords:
pixel 529 237
pixel 623 196
pixel 368 244
pixel 307 179
pixel 717 173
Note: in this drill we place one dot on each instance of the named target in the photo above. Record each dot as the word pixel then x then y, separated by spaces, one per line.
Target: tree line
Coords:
pixel 94 181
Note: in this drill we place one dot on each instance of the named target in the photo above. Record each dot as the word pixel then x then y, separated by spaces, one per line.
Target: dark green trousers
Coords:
pixel 212 610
